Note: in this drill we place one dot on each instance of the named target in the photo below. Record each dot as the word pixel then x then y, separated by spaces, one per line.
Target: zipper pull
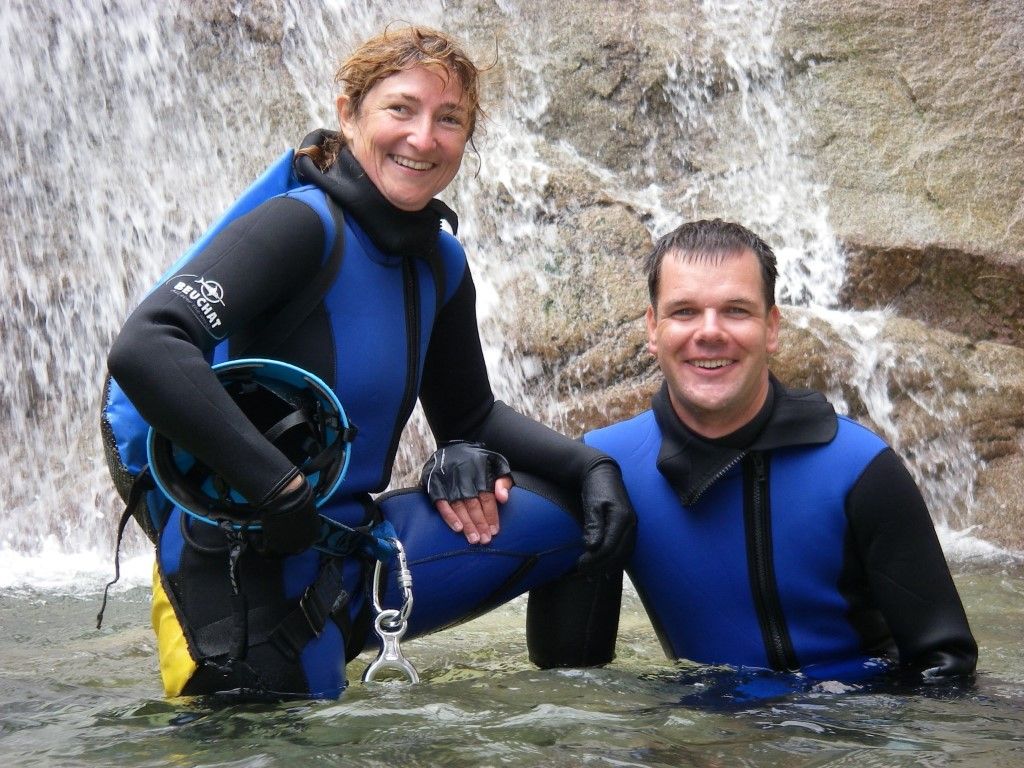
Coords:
pixel 759 470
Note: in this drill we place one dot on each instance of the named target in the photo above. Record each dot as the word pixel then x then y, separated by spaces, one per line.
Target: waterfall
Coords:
pixel 756 175
pixel 130 125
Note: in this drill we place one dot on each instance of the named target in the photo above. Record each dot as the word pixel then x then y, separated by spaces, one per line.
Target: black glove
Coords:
pixel 953 665
pixel 290 522
pixel 609 522
pixel 462 470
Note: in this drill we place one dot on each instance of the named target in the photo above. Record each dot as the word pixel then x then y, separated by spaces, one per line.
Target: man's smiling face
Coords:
pixel 712 334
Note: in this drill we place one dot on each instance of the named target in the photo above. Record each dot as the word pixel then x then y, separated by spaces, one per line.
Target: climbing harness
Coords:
pixel 390 624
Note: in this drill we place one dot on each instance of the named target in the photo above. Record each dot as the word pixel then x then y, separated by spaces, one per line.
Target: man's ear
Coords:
pixel 774 320
pixel 652 327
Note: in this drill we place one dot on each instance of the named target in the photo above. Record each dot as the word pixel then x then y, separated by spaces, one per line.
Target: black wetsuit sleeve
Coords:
pixel 257 262
pixel 459 404
pixel 455 391
pixel 906 571
pixel 573 621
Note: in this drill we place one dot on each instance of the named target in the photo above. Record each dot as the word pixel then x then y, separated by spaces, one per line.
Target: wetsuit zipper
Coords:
pixel 692 499
pixel 760 561
pixel 412 335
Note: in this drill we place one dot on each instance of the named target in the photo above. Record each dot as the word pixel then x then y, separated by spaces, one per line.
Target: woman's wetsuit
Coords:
pixel 399 322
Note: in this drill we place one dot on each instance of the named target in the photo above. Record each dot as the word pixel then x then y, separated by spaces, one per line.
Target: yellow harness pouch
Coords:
pixel 176 663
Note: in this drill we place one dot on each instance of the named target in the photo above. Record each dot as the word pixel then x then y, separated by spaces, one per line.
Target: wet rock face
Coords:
pixel 912 119
pixel 917 112
pixel 960 292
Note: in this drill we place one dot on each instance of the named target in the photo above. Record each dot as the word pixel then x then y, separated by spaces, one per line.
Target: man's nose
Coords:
pixel 710 325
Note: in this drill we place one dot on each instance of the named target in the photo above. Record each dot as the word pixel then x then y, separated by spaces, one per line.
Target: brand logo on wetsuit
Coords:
pixel 203 297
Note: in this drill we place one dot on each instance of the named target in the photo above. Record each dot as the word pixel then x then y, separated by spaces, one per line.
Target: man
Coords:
pixel 771 533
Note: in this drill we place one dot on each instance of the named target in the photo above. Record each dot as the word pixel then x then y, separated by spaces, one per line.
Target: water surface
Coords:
pixel 74 696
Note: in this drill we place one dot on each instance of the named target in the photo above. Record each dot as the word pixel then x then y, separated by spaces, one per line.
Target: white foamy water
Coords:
pixel 83 573
pixel 753 172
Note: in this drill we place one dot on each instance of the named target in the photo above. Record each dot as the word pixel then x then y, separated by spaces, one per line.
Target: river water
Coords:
pixel 104 92
pixel 72 696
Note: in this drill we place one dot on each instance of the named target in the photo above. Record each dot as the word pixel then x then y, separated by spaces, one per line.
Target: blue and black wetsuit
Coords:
pixel 799 542
pixel 397 324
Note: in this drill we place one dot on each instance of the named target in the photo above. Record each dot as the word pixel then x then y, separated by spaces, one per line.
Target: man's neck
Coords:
pixel 730 433
pixel 689 460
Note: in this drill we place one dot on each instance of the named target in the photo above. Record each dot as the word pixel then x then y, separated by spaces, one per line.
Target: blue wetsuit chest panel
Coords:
pixel 381 313
pixel 691 566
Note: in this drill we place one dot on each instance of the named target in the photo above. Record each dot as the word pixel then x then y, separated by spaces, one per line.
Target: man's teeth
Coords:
pixel 711 363
pixel 416 165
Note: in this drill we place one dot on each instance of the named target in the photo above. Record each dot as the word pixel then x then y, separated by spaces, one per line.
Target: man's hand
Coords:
pixel 609 522
pixel 466 482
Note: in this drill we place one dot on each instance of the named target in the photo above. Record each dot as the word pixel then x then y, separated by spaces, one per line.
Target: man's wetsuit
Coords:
pixel 399 322
pixel 799 542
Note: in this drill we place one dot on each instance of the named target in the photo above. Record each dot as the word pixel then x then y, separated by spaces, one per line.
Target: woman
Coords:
pixel 398 321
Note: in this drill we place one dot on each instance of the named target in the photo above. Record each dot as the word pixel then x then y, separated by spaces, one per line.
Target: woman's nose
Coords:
pixel 422 135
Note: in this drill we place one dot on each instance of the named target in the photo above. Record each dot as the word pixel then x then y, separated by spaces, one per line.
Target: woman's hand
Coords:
pixel 466 482
pixel 477 517
pixel 289 519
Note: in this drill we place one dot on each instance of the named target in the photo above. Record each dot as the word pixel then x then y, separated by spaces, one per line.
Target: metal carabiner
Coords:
pixel 404 577
pixel 390 624
pixel 390 656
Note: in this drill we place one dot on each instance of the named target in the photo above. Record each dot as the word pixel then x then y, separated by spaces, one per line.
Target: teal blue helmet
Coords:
pixel 295 410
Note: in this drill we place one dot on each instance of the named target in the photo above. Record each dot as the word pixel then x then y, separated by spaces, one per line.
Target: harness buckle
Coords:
pixel 311 610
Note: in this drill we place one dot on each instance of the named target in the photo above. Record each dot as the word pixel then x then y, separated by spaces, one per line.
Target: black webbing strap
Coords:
pixel 322 601
pixel 279 328
pixel 140 485
pixel 218 638
pixel 357 629
pixel 328 454
pixel 293 419
pixel 239 604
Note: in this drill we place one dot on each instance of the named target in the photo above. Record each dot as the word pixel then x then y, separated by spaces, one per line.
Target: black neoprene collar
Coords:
pixel 692 463
pixel 394 231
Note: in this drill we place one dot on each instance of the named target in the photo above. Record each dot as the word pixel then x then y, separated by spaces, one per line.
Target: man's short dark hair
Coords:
pixel 711 239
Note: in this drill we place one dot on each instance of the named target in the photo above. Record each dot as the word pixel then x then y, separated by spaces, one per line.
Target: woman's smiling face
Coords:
pixel 409 134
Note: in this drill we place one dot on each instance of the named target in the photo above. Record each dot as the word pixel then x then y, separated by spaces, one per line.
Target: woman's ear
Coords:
pixel 345 117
